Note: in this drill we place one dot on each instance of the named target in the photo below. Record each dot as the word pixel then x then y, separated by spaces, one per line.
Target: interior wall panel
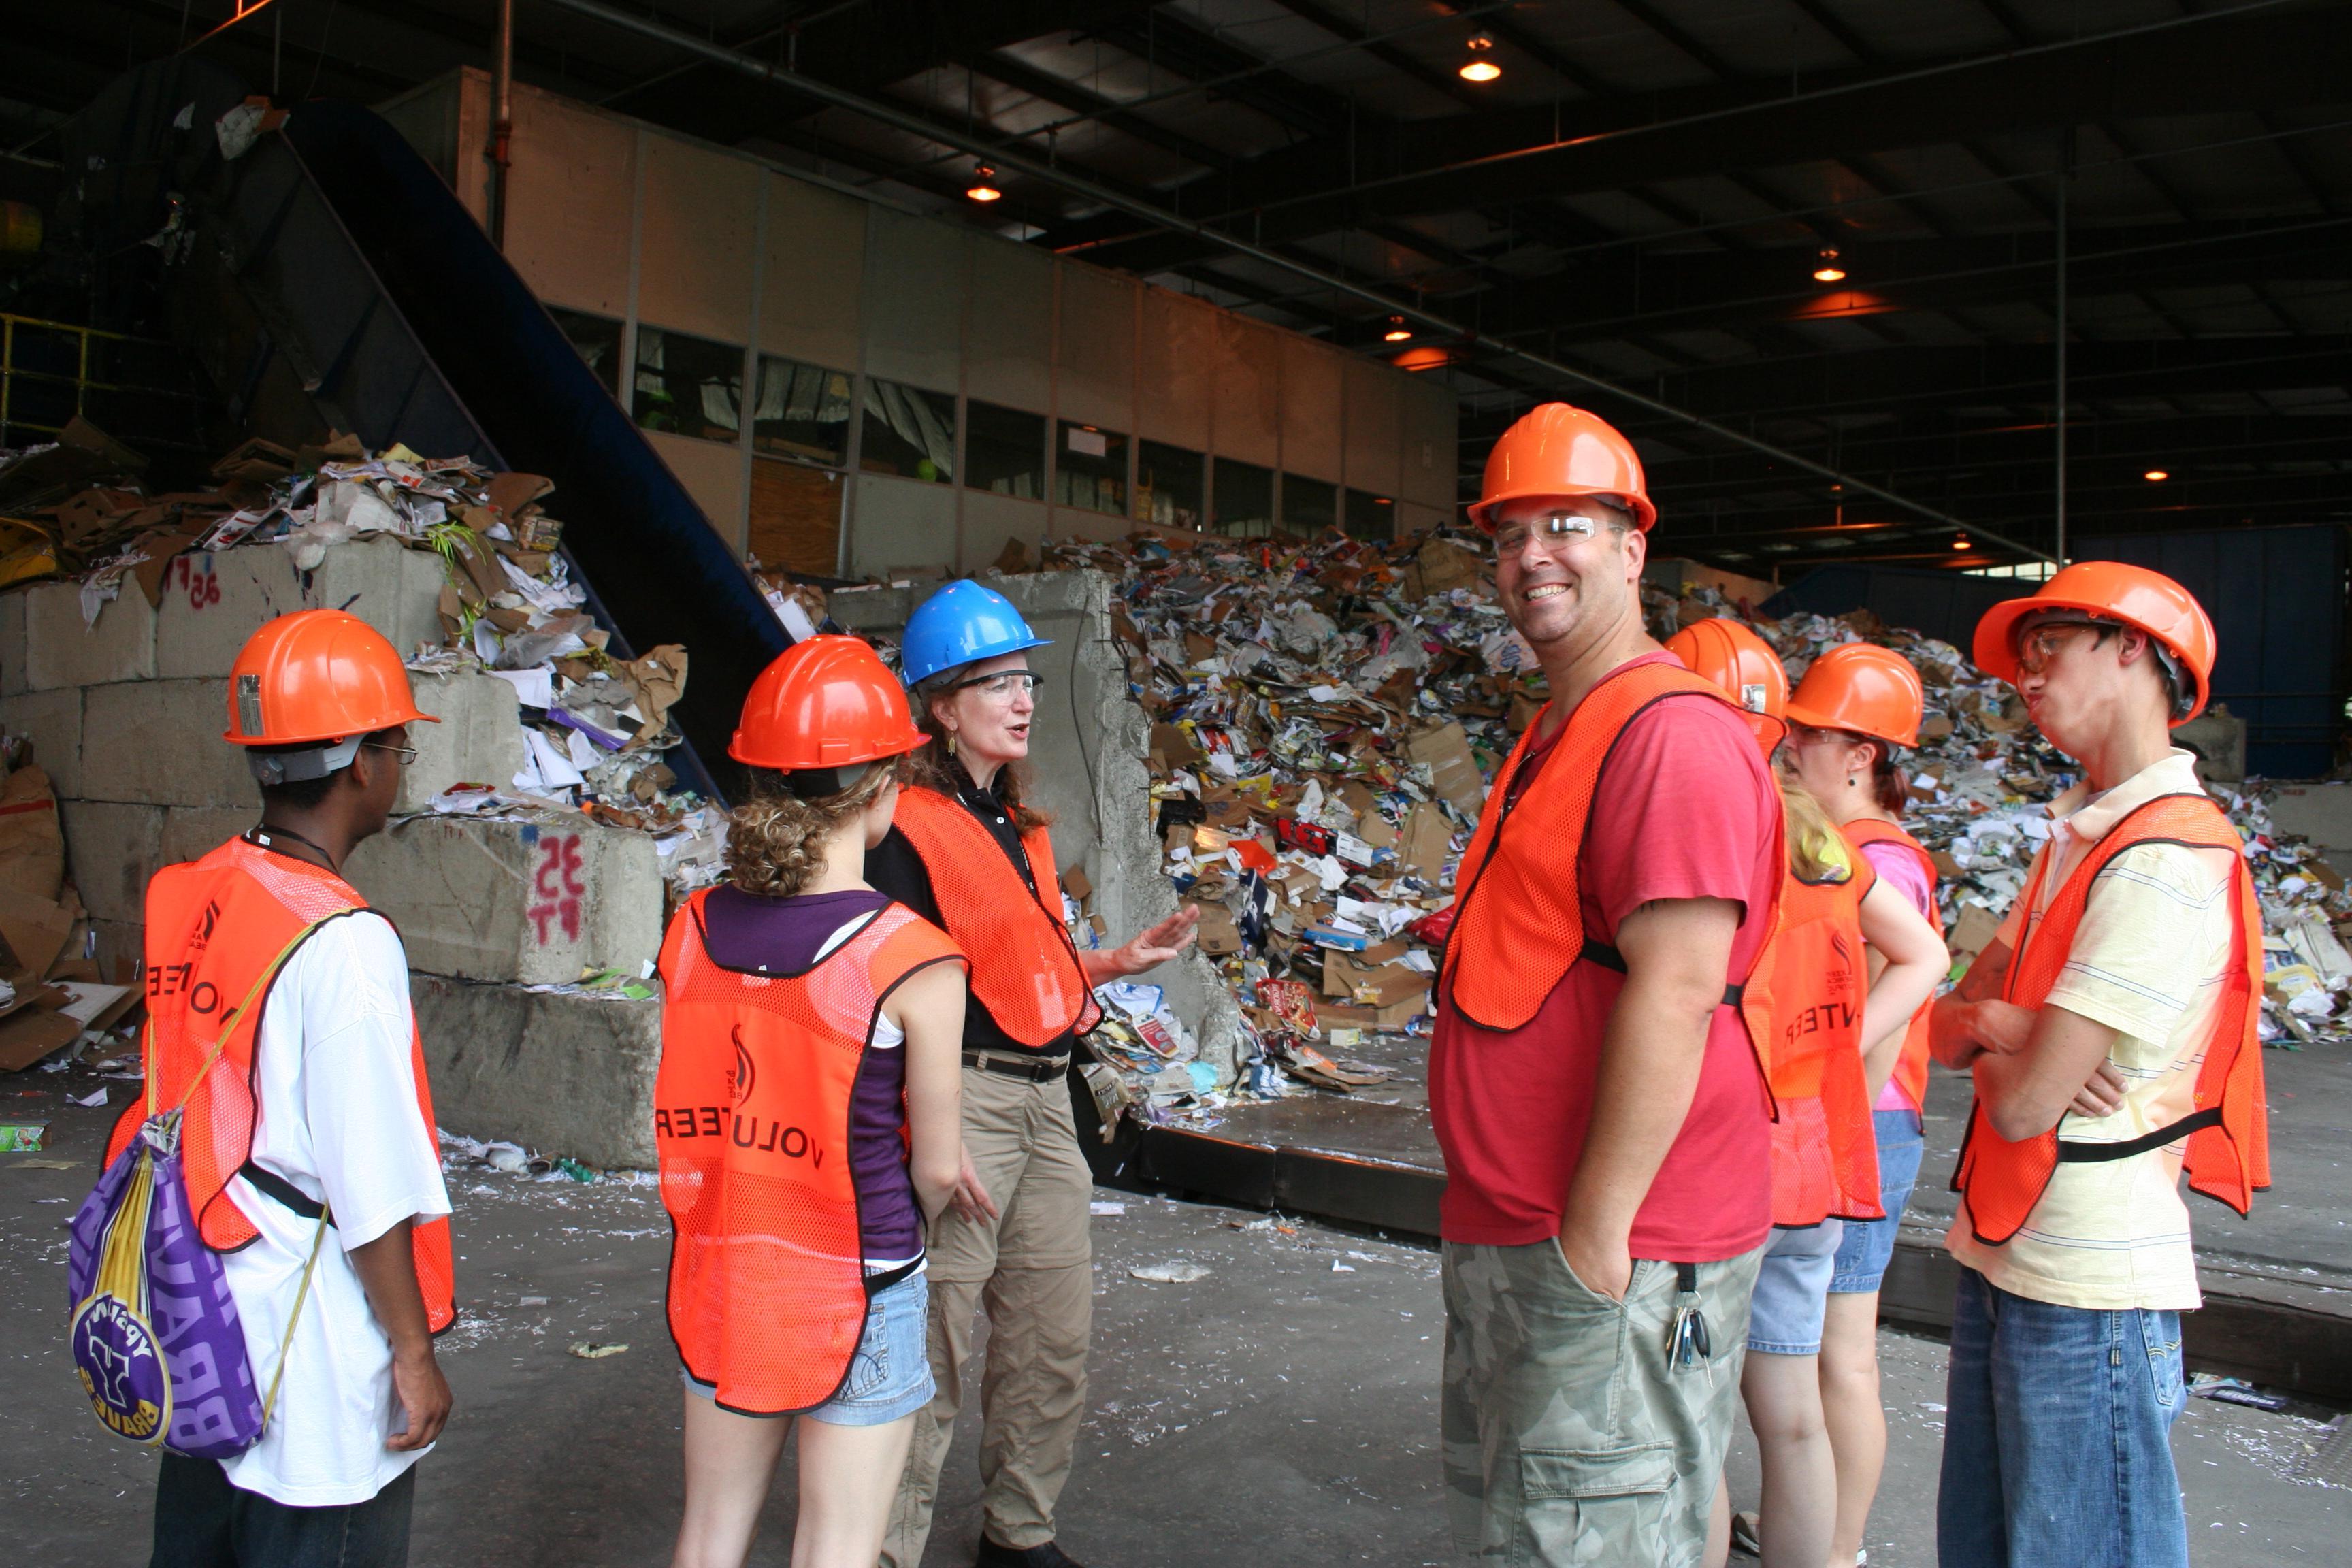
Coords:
pixel 901 523
pixel 1009 353
pixel 1245 381
pixel 712 473
pixel 694 268
pixel 1096 352
pixel 569 190
pixel 1370 392
pixel 812 287
pixel 1177 383
pixel 1311 409
pixel 913 300
pixel 1428 420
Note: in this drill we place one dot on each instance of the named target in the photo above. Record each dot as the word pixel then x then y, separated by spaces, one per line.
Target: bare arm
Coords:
pixel 1915 958
pixel 1148 950
pixel 1677 954
pixel 927 1006
pixel 387 1271
pixel 1972 1018
pixel 2025 1092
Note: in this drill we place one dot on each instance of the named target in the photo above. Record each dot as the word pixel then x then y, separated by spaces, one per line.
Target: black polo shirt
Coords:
pixel 893 868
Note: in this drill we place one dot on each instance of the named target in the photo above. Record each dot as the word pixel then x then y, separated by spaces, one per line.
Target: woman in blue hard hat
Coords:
pixel 967 852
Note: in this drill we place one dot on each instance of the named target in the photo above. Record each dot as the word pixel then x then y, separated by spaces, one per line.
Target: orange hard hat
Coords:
pixel 1558 450
pixel 1728 655
pixel 317 675
pixel 826 702
pixel 1863 688
pixel 2115 592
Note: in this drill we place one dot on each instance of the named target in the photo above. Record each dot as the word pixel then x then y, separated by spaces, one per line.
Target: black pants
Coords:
pixel 202 1521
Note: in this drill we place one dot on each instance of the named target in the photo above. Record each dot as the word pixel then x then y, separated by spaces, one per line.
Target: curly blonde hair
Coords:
pixel 775 840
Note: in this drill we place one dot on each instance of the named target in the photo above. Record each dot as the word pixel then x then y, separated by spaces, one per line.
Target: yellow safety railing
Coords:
pixel 12 372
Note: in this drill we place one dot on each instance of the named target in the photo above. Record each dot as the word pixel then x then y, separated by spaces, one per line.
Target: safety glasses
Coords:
pixel 1003 685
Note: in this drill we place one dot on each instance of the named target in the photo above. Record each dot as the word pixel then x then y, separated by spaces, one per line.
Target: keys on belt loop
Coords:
pixel 1688 1343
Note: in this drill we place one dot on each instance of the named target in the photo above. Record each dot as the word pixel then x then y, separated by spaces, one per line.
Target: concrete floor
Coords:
pixel 1285 1404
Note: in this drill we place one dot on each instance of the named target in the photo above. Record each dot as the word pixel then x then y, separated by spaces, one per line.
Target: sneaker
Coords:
pixel 1744 1538
pixel 1048 1555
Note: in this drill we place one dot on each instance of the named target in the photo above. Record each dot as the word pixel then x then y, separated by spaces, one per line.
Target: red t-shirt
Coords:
pixel 1685 808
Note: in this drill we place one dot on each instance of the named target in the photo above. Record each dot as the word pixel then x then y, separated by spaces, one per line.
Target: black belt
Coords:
pixel 1044 1071
pixel 271 1185
pixel 2094 1153
pixel 1608 957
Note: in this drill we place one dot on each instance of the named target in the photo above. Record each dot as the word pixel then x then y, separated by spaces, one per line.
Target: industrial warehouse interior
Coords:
pixel 1246 371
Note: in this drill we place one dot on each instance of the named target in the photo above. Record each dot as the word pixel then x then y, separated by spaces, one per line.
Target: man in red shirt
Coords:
pixel 1597 1099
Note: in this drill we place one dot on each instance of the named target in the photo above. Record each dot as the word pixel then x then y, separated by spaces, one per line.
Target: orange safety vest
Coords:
pixel 1024 968
pixel 1808 1019
pixel 1911 1067
pixel 219 930
pixel 1518 924
pixel 2229 1155
pixel 767 1276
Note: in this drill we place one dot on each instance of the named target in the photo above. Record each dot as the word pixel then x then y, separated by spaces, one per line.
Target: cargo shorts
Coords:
pixel 1569 1436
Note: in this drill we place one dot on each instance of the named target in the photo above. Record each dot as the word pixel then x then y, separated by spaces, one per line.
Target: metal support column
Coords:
pixel 501 122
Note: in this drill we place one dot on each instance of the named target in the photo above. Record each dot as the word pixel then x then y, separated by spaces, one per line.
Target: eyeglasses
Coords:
pixel 407 754
pixel 1553 528
pixel 1002 686
pixel 2037 648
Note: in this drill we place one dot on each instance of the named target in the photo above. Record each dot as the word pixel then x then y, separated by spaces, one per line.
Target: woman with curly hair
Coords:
pixel 968 852
pixel 806 1120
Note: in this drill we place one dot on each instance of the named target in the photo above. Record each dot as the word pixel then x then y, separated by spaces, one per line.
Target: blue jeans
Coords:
pixel 2057 1442
pixel 202 1521
pixel 1868 1244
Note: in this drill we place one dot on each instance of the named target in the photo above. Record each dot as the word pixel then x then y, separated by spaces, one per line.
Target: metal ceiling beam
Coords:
pixel 2268 55
pixel 1025 163
pixel 1609 295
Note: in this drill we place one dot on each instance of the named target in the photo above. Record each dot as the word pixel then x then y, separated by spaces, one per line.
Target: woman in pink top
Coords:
pixel 1857 703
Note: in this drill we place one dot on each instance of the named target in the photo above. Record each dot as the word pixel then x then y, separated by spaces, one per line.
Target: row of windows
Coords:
pixel 693 387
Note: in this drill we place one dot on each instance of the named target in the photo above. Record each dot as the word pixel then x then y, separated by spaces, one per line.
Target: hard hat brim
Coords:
pixel 1813 718
pixel 415 715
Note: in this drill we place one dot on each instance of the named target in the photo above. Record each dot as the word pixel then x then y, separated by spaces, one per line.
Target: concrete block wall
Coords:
pixel 126 716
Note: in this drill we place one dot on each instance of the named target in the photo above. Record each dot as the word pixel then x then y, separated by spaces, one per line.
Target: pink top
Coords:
pixel 1897 865
pixel 1685 808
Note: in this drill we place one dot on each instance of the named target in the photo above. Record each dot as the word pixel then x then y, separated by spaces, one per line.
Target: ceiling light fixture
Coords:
pixel 1480 66
pixel 2156 476
pixel 1963 543
pixel 1828 271
pixel 1397 332
pixel 984 184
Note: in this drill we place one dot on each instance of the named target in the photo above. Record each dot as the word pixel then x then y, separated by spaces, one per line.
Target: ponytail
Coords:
pixel 1817 851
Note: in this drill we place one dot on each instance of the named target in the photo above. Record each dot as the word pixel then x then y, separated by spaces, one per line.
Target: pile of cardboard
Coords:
pixel 51 994
pixel 594 725
pixel 1327 717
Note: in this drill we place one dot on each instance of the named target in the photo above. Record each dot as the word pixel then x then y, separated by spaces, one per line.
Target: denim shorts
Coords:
pixel 1785 1319
pixel 890 1374
pixel 1862 1256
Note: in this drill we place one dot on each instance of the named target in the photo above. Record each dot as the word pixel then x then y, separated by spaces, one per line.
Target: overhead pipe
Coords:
pixel 1010 157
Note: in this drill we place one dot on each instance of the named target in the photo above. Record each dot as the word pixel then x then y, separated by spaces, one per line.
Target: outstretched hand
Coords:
pixel 1156 946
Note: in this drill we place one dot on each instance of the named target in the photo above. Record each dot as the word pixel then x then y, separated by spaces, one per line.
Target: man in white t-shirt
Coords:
pixel 2109 1031
pixel 332 1226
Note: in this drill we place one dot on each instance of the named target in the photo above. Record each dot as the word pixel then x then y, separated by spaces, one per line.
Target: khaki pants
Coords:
pixel 1032 1269
pixel 1568 1436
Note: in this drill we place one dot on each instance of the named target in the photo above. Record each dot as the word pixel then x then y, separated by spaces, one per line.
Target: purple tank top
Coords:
pixel 757 935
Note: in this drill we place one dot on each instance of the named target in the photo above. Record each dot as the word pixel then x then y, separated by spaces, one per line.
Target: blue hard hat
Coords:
pixel 961 624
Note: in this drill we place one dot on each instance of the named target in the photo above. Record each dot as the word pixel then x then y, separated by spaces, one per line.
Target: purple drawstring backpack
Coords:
pixel 154 1331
